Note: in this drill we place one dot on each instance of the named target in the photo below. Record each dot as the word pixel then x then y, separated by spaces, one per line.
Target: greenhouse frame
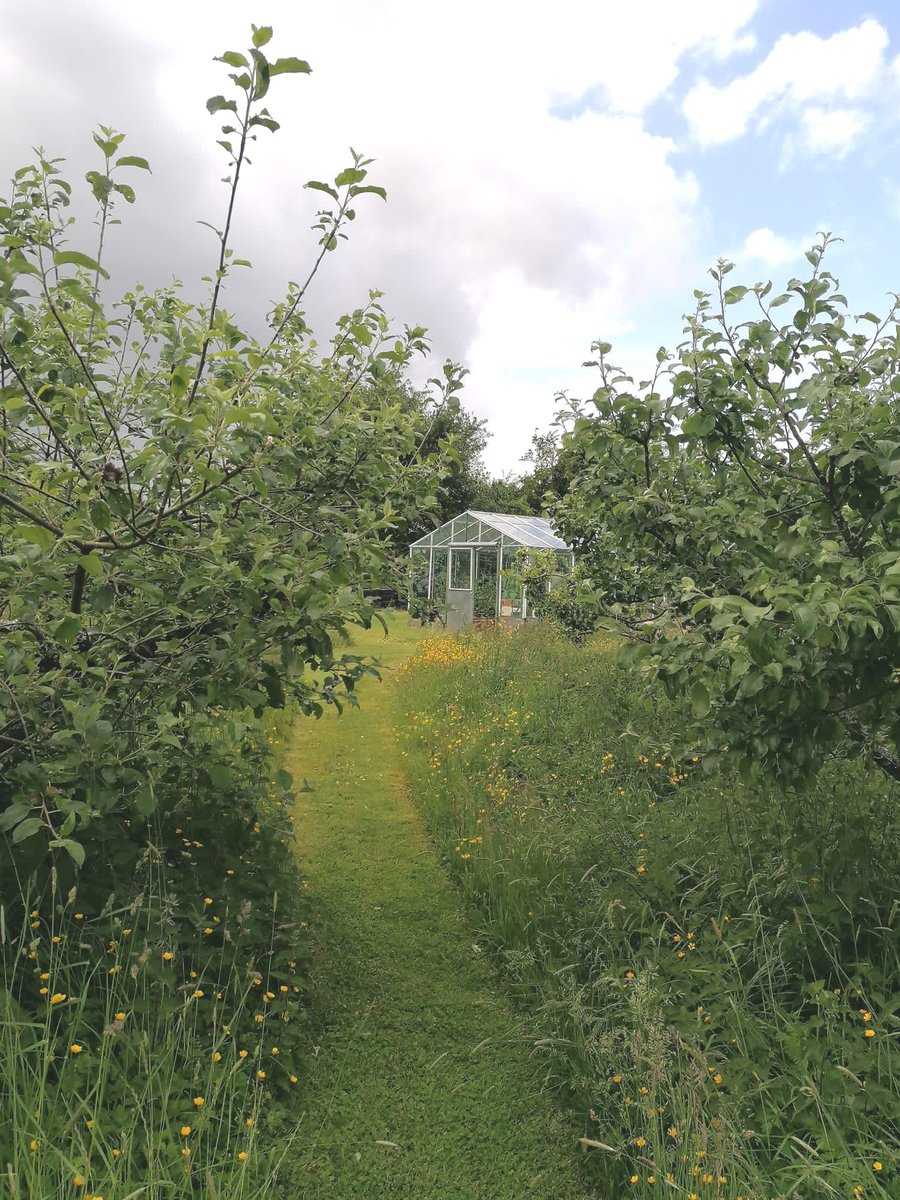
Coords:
pixel 463 565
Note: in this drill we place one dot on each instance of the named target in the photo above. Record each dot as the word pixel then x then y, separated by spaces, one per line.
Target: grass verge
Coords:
pixel 420 1083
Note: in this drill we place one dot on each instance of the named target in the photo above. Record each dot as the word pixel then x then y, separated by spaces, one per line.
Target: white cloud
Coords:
pixel 833 131
pixel 801 73
pixel 770 248
pixel 515 236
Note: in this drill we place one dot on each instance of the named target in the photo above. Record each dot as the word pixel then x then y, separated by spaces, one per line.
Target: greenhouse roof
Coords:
pixel 487 527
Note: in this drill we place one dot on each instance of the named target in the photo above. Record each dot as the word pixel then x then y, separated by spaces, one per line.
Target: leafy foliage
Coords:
pixel 739 515
pixel 563 597
pixel 188 512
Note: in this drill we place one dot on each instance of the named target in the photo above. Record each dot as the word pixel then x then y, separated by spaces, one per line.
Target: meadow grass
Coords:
pixel 709 970
pixel 152 1006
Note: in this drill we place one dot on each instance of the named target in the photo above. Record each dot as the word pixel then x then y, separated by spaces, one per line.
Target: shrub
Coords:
pixel 739 515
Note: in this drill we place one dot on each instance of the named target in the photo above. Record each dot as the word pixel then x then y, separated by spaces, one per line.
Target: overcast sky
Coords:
pixel 555 172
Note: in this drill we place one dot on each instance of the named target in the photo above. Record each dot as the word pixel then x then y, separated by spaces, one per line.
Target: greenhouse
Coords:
pixel 464 567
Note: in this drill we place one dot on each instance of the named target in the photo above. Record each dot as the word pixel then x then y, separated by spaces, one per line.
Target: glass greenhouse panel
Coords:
pixel 461 570
pixel 511 595
pixel 486 584
pixel 439 576
pixel 418 569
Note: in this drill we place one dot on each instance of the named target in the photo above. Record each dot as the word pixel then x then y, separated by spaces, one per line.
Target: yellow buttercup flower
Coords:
pixel 242 1156
pixel 75 1048
pixel 57 997
pixel 199 1102
pixel 185 1130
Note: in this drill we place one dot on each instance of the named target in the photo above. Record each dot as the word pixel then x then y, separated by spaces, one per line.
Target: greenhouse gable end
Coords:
pixel 460 565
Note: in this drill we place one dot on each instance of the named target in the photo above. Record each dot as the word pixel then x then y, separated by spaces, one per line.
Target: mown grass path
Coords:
pixel 421 1086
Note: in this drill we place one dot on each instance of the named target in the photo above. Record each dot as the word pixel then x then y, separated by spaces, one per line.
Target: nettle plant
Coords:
pixel 188 511
pixel 739 518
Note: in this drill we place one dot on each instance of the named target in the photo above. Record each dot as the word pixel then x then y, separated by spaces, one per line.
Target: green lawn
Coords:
pixel 420 1085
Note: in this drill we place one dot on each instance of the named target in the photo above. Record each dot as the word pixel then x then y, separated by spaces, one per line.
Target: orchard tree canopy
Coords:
pixel 188 511
pixel 739 518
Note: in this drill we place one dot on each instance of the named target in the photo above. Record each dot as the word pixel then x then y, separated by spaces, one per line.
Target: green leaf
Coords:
pixel 369 187
pixel 74 849
pixel 75 258
pixel 262 36
pixel 349 175
pixel 700 701
pixel 132 160
pixel 13 815
pixel 98 733
pixel 289 66
pixel 233 59
pixel 262 75
pixel 67 630
pixel 145 802
pixel 92 563
pixel 267 122
pixel 219 104
pixel 35 534
pixel 699 425
pixel 27 828
pixel 318 186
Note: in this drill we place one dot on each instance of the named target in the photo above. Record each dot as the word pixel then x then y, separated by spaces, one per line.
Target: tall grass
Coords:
pixel 709 969
pixel 151 1013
